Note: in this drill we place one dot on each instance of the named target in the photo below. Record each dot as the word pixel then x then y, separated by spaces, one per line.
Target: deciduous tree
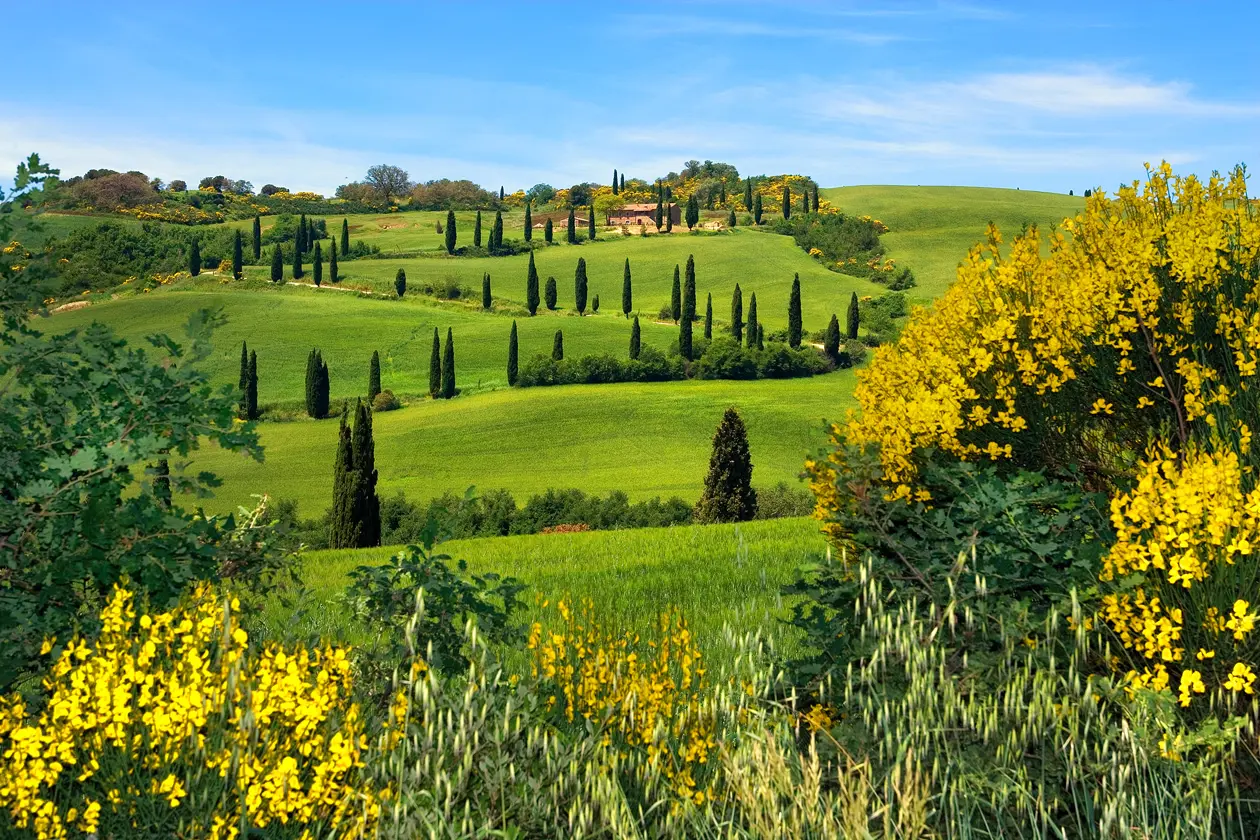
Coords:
pixel 388 181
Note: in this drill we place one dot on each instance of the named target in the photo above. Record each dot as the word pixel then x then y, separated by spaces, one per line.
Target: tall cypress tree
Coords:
pixel 486 300
pixel 501 193
pixel 794 314
pixel 496 233
pixel 737 314
pixel 754 324
pixel 374 376
pixel 531 287
pixel 757 209
pixel 514 351
pixel 450 231
pixel 627 294
pixel 708 316
pixel 688 310
pixel 435 367
pixel 277 264
pixel 748 198
pixel 615 185
pixel 787 202
pixel 303 235
pixel 623 182
pixel 297 264
pixel 590 223
pixel 238 259
pixel 243 384
pixel 345 237
pixel 660 213
pixel 728 494
pixel 548 231
pixel 572 228
pixel 448 367
pixel 815 199
pixel 635 338
pixel 311 377
pixel 343 530
pixel 332 262
pixel 805 201
pixel 693 211
pixel 557 346
pixel 550 294
pixel 321 387
pixel 194 258
pixel 675 297
pixel 761 336
pixel 319 265
pixel 529 223
pixel 367 505
pixel 831 342
pixel 722 196
pixel 400 282
pixel 477 231
pixel 669 218
pixel 579 287
pixel 851 316
pixel 256 242
pixel 251 390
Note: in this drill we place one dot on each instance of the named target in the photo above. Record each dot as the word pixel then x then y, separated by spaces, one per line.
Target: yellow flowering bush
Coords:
pixel 172 718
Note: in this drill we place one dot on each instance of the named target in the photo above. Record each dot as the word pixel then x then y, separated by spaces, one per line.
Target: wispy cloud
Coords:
pixel 671 26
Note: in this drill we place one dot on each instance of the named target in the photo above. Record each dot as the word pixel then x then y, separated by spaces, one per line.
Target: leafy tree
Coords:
pixel 757 209
pixel 728 494
pixel 551 293
pixel 448 367
pixel 332 263
pixel 615 186
pixel 579 287
pixel 557 346
pixel 435 367
pixel 787 202
pixel 450 231
pixel 572 228
pixel 277 264
pixel 529 223
pixel 693 211
pixel 531 287
pixel 496 233
pixel 243 384
pixel 486 299
pixel 477 231
pixel 548 231
pixel 194 258
pixel 627 296
pixel 635 339
pixel 374 376
pixel 257 240
pixel 251 389
pixel 831 341
pixel 319 265
pixel 675 297
pixel 238 260
pixel 298 273
pixel 730 220
pixel 400 284
pixel 387 181
pixel 688 310
pixel 737 314
pixel 851 316
pixel 708 316
pixel 514 352
pixel 754 325
pixel 590 223
pixel 345 237
pixel 794 314
pixel 748 196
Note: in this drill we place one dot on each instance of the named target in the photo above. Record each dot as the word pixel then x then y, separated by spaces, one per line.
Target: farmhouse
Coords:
pixel 644 214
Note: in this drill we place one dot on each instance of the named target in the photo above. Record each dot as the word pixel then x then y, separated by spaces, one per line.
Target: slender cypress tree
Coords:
pixel 627 295
pixel 343 530
pixel 787 202
pixel 748 199
pixel 590 223
pixel 345 237
pixel 514 351
pixel 367 505
pixel 557 346
pixel 815 199
pixel 529 223
pixel 501 193
pixel 636 338
pixel 256 242
pixel 794 314
pixel 194 258
pixel 693 211
pixel 708 316
pixel 311 377
pixel 572 228
pixel 737 314
pixel 496 234
pixel 761 336
pixel 851 316
pixel 548 231
pixel 400 282
pixel 374 376
pixel 675 297
pixel 730 220
pixel 669 194
pixel 531 287
pixel 332 262
pixel 450 231
pixel 318 265
pixel 485 292
pixel 298 273
pixel 831 342
pixel 251 391
pixel 757 209
pixel 615 185
pixel 277 264
pixel 243 384
pixel 669 219
pixel 722 197
pixel 551 293
pixel 448 367
pixel 623 182
pixel 805 201
pixel 688 311
pixel 303 235
pixel 238 259
pixel 660 213
pixel 579 286
pixel 754 324
pixel 435 367
pixel 595 304
pixel 477 231
pixel 321 387
pixel 728 494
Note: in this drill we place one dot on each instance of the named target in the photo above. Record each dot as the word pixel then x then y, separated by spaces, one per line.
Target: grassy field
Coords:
pixel 931 228
pixel 630 576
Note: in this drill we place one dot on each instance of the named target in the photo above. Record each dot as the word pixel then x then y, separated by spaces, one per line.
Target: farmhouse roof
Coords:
pixel 648 207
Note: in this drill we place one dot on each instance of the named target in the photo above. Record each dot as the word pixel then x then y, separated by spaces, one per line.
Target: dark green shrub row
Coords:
pixel 651 366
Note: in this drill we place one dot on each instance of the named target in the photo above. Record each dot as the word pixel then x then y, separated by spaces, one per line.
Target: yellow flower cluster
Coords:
pixel 648 694
pixel 161 703
pixel 174 212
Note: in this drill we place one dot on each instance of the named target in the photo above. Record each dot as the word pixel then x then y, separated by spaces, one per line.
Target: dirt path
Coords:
pixel 336 288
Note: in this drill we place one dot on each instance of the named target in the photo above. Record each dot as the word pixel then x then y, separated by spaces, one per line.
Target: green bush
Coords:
pixel 385 401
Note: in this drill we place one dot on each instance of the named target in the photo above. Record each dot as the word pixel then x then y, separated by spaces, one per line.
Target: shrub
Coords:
pixel 724 359
pixel 783 500
pixel 385 401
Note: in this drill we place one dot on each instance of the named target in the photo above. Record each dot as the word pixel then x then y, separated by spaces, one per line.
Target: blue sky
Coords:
pixel 308 95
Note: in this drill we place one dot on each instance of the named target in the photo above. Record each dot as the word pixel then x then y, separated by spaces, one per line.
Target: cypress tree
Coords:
pixel 194 258
pixel 754 324
pixel 243 384
pixel 485 292
pixel 815 199
pixel 531 287
pixel 374 376
pixel 343 531
pixel 590 223
pixel 477 231
pixel 572 228
pixel 450 231
pixel 669 194
pixel 748 198
pixel 529 223
pixel 623 182
pixel 238 260
pixel 730 220
pixel 297 264
pixel 496 234
pixel 693 211
pixel 787 202
pixel 501 193
pixel 757 209
pixel 660 213
pixel 722 197
pixel 708 316
pixel 367 505
pixel 551 293
pixel 805 201
pixel 435 367
pixel 675 297
pixel 831 342
pixel 669 219
pixel 277 264
pixel 303 235
pixel 794 314
pixel 319 265
pixel 548 231
pixel 400 282
pixel 448 367
pixel 321 387
pixel 761 336
pixel 332 262
pixel 251 391
pixel 614 183
pixel 579 287
pixel 728 493
pixel 513 355
pixel 851 316
pixel 257 240
pixel 311 376
pixel 688 310
pixel 635 338
pixel 627 295
pixel 345 237
pixel 557 346
pixel 737 314
pixel 595 304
